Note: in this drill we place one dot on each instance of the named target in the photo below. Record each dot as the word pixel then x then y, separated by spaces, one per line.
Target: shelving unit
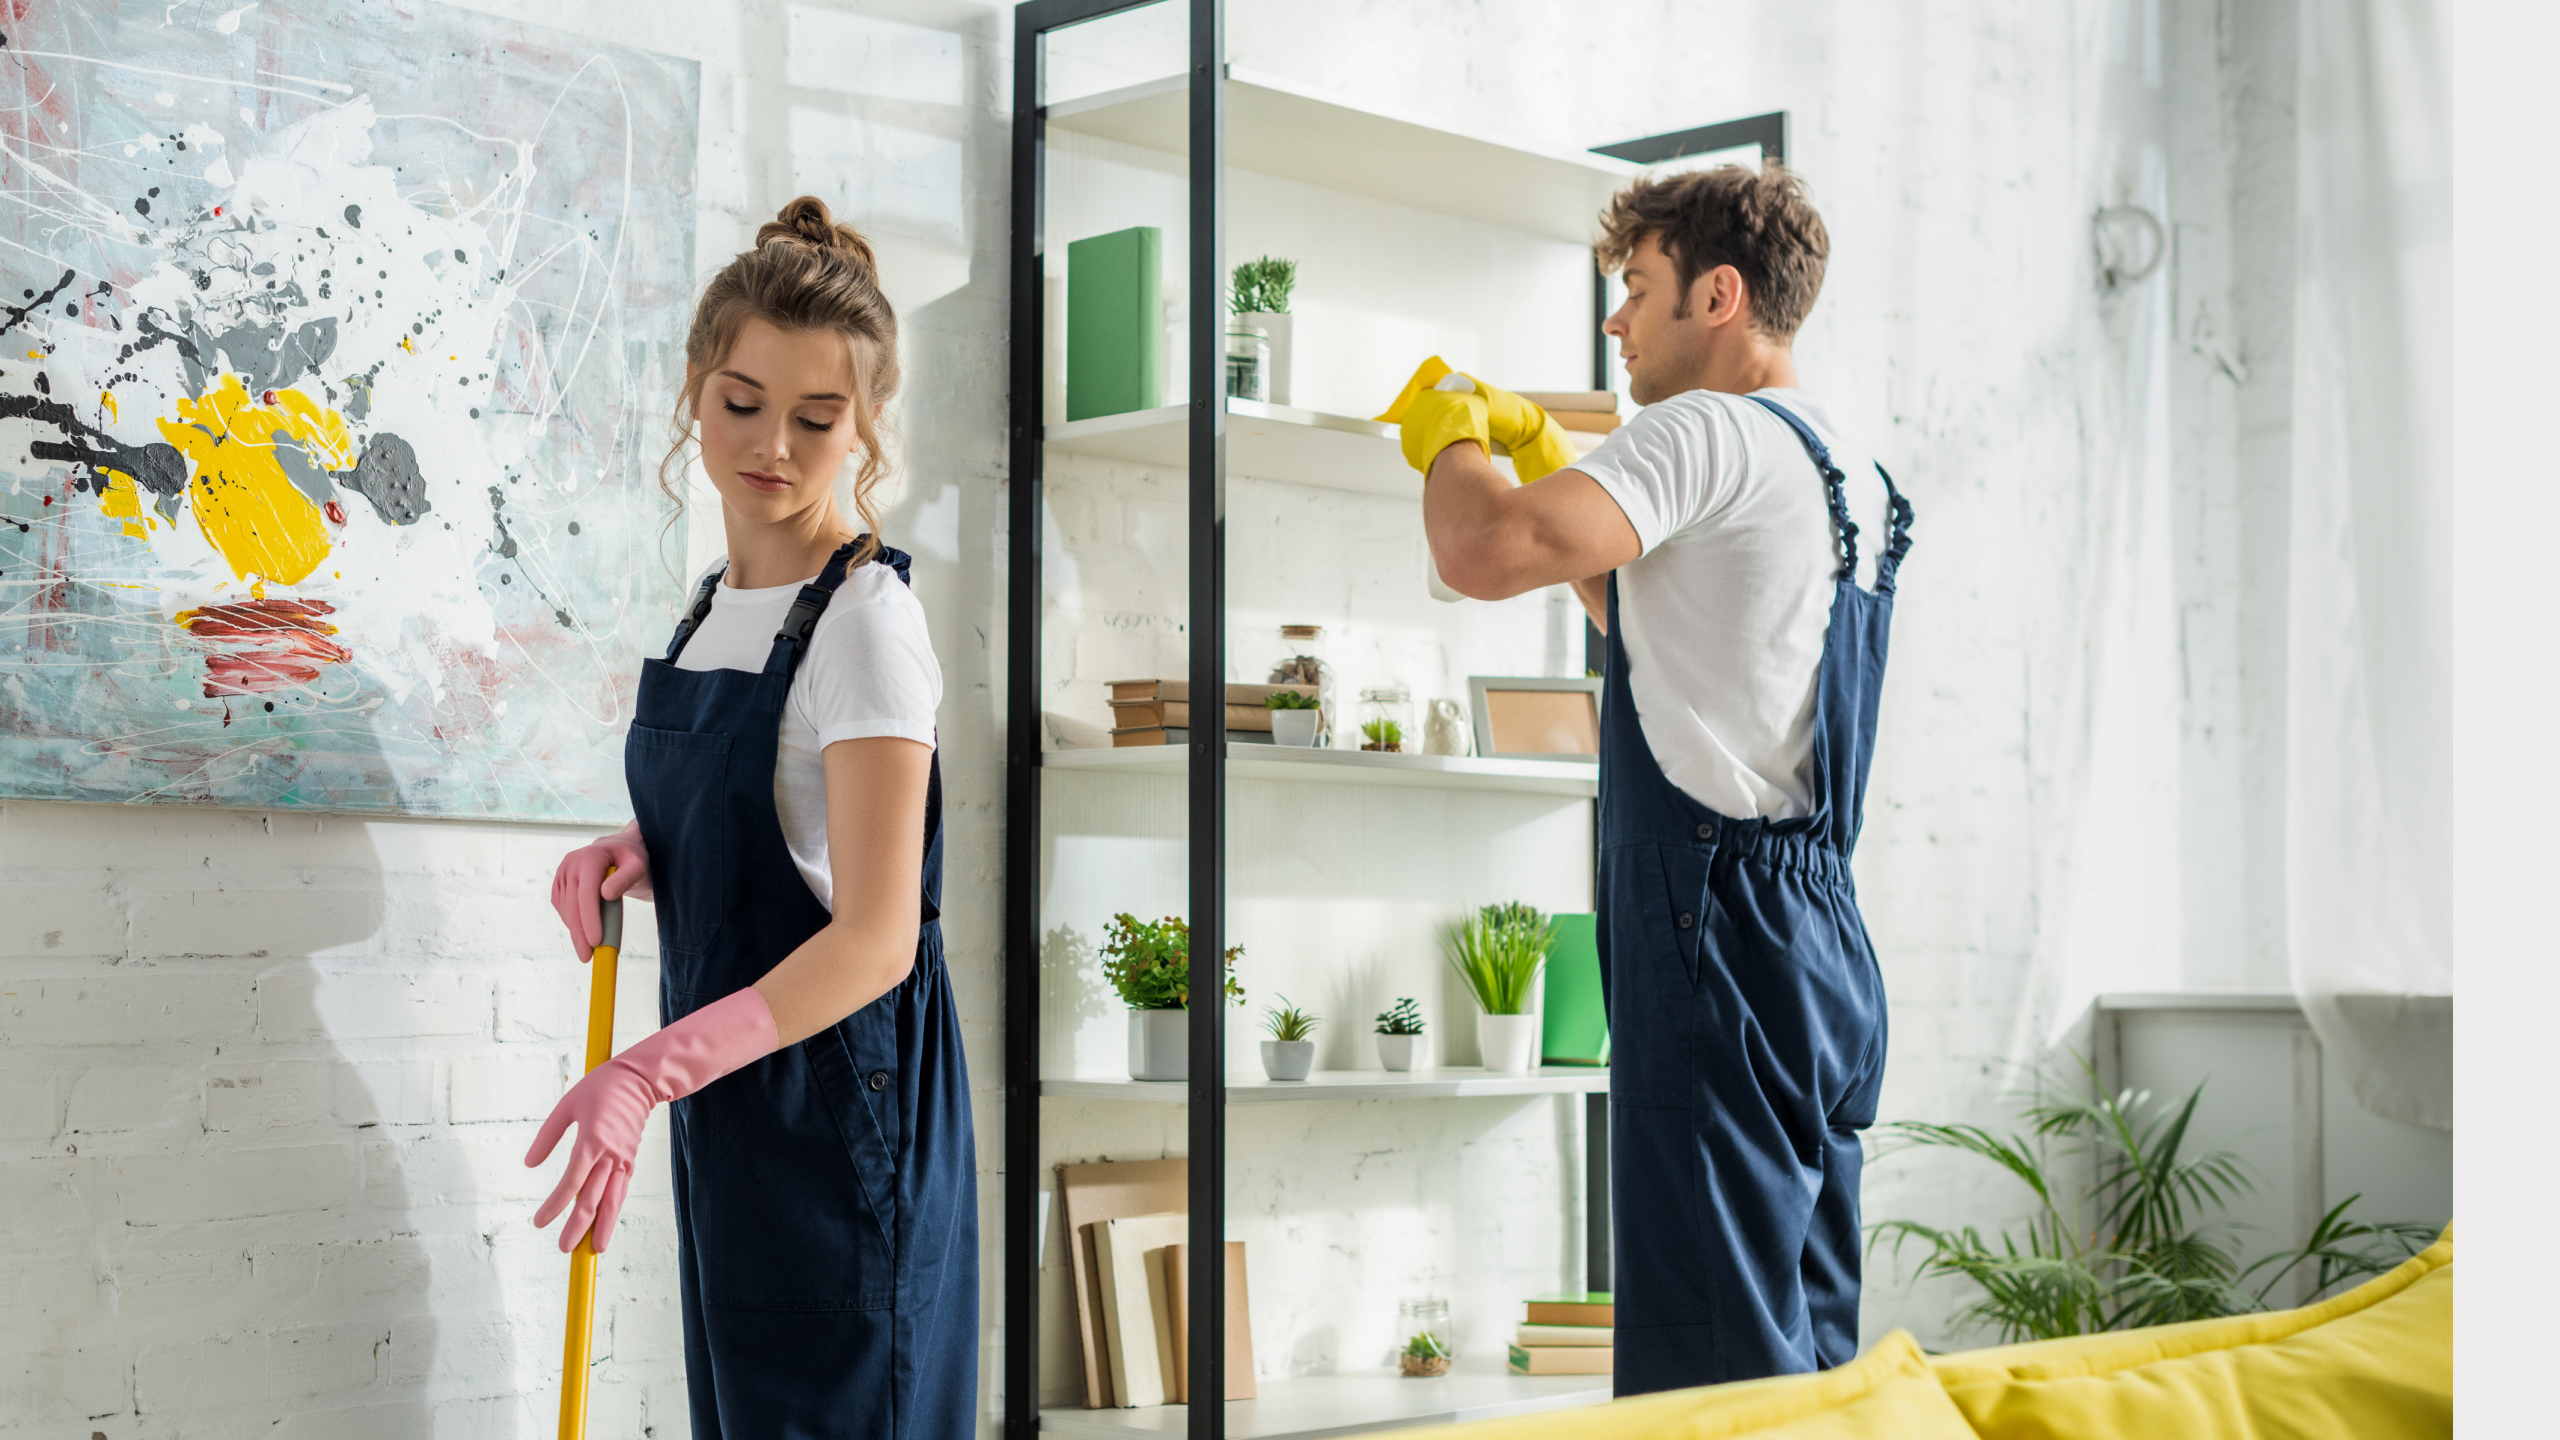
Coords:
pixel 1348 767
pixel 1348 1404
pixel 1270 442
pixel 1221 117
pixel 1449 1082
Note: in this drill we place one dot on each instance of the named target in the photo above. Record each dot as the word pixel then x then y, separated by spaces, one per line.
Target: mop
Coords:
pixel 582 1261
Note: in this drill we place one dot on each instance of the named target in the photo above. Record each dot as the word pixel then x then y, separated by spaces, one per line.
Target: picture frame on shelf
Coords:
pixel 1529 717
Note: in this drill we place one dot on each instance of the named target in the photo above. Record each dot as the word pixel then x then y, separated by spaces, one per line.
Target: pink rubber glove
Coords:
pixel 612 1104
pixel 581 883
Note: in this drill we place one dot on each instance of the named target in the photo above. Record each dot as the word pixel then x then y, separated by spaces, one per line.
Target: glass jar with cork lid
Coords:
pixel 1305 665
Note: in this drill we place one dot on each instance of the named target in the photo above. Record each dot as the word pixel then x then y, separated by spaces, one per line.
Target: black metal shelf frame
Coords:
pixel 1033 22
pixel 1020 1376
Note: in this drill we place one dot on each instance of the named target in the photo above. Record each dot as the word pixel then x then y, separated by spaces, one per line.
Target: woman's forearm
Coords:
pixel 853 961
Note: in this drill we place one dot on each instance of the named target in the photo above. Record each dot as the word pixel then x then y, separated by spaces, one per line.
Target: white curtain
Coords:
pixel 2368 879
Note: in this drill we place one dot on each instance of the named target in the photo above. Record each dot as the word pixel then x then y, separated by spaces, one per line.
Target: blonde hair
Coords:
pixel 806 273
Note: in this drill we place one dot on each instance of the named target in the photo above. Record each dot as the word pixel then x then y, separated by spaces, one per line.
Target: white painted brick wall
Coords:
pixel 265 1080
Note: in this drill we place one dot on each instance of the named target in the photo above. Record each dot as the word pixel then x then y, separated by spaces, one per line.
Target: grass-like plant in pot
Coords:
pixel 1399 1034
pixel 1149 963
pixel 1295 717
pixel 1424 1355
pixel 1381 735
pixel 1498 952
pixel 1291 1051
pixel 2129 1229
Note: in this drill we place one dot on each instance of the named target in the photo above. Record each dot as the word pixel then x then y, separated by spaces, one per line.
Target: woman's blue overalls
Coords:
pixel 1747 1024
pixel 826 1195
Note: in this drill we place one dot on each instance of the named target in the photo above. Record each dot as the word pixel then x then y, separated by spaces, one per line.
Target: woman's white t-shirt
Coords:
pixel 870 671
pixel 1725 612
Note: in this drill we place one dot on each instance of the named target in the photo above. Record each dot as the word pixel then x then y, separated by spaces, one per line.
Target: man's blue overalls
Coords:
pixel 826 1195
pixel 1746 1017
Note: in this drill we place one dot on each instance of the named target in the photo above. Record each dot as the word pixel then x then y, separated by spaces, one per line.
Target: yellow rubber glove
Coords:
pixel 1523 427
pixel 1437 419
pixel 1536 442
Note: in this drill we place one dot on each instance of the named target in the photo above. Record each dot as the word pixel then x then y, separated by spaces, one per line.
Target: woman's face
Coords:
pixel 777 422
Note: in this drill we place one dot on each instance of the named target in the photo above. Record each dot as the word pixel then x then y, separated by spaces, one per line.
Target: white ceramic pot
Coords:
pixel 1278 328
pixel 1509 1043
pixel 1294 727
pixel 1159 1044
pixel 1288 1059
pixel 1396 1052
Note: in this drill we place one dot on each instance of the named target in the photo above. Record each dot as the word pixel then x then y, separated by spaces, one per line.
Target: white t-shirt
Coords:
pixel 1724 613
pixel 869 671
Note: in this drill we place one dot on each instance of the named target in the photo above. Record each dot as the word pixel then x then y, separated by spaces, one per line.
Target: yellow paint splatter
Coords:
pixel 405 345
pixel 122 500
pixel 107 402
pixel 241 496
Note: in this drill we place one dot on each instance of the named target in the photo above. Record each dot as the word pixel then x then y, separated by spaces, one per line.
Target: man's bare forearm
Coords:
pixel 1593 592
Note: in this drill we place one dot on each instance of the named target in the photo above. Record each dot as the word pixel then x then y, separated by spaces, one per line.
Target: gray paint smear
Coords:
pixel 264 356
pixel 308 478
pixel 387 474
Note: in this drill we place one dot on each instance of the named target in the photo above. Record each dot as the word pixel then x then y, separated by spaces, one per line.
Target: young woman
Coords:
pixel 789 830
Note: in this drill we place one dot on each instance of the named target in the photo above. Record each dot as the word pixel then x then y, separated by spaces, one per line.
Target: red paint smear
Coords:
pixel 337 513
pixel 282 643
pixel 218 210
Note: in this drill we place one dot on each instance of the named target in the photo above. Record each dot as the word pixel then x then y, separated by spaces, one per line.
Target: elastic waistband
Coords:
pixel 1798 852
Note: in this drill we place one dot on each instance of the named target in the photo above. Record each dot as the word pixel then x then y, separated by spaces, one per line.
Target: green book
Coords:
pixel 1115 323
pixel 1577 1028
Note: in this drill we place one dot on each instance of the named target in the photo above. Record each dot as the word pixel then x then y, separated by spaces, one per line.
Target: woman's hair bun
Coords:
pixel 807 221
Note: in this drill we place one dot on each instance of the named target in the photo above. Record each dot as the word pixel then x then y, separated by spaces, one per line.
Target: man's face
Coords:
pixel 1664 355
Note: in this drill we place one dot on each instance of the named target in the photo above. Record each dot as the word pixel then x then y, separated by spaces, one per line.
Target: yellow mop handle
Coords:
pixel 582 1261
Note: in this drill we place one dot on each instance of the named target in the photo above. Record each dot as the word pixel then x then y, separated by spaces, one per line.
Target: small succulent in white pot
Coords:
pixel 1291 1051
pixel 1399 1034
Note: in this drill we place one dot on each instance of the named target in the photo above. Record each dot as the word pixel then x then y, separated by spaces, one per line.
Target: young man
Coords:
pixel 1745 583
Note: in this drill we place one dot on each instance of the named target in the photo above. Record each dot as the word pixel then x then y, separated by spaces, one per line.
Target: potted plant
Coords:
pixel 1289 1054
pixel 1294 717
pixel 1149 963
pixel 1381 735
pixel 1399 1034
pixel 1261 300
pixel 1498 952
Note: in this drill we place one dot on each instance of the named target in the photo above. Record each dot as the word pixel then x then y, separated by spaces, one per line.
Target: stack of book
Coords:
pixel 1569 1334
pixel 1158 712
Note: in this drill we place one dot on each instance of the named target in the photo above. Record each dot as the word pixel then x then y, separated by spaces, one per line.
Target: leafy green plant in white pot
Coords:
pixel 1399 1034
pixel 1498 952
pixel 1149 963
pixel 1291 1051
pixel 1294 717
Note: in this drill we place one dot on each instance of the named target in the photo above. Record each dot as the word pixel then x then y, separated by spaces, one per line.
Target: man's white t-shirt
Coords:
pixel 1725 611
pixel 870 671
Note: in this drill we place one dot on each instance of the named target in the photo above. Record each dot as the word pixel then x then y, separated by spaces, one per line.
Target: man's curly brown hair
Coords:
pixel 1757 221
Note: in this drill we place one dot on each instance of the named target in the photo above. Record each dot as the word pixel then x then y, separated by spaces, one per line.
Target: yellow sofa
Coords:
pixel 2375 1363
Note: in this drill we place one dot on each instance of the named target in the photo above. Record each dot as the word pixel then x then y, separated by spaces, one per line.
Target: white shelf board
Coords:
pixel 1318 1405
pixel 1266 442
pixel 1346 767
pixel 1280 127
pixel 1448 1082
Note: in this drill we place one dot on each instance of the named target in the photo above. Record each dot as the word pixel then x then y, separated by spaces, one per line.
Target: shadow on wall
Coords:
pixel 199 1177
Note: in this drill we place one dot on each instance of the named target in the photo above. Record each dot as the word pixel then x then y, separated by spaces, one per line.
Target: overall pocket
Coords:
pixel 679 782
pixel 785 1194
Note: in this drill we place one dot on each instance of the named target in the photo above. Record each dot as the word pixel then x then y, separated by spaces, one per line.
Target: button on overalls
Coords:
pixel 826 1195
pixel 1747 1022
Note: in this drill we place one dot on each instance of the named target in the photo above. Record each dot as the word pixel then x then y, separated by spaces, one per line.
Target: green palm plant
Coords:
pixel 1498 951
pixel 2141 1242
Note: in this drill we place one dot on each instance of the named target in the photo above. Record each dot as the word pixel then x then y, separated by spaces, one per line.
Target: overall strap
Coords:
pixel 1832 480
pixel 1899 541
pixel 695 613
pixel 791 642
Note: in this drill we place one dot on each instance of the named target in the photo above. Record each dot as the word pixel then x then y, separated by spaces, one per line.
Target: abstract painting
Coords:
pixel 338 341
